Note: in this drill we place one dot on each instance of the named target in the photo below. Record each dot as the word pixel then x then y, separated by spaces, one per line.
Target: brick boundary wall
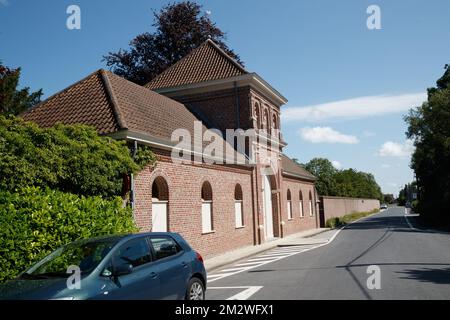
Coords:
pixel 331 207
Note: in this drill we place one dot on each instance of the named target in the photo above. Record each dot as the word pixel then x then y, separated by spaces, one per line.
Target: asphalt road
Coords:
pixel 413 264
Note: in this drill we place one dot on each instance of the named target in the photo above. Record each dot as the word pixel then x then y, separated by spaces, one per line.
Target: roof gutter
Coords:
pixel 156 142
pixel 298 176
pixel 250 79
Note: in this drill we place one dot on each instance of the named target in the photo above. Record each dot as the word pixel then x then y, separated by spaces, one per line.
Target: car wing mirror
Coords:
pixel 123 269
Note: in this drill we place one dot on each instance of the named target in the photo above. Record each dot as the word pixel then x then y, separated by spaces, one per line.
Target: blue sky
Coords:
pixel 348 87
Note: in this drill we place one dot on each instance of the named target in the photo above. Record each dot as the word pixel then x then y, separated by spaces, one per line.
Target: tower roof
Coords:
pixel 205 63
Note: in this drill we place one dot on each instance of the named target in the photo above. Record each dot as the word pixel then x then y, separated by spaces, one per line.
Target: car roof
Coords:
pixel 124 237
pixel 147 234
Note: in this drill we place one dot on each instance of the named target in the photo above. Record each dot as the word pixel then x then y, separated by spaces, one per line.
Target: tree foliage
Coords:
pixel 13 100
pixel 68 158
pixel 429 127
pixel 343 183
pixel 357 184
pixel 35 222
pixel 325 173
pixel 180 27
pixel 388 198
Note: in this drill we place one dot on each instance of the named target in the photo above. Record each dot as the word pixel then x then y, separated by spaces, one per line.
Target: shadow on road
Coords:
pixel 433 275
pixel 395 223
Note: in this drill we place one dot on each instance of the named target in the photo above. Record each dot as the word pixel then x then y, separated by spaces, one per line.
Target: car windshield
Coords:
pixel 83 254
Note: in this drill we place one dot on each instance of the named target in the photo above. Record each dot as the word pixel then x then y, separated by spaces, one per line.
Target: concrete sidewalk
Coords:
pixel 301 238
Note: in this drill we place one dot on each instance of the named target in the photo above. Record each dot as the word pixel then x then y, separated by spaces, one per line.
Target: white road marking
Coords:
pixel 243 295
pixel 288 250
pixel 232 269
pixel 261 259
pixel 247 264
pixel 220 275
pixel 276 254
pixel 409 223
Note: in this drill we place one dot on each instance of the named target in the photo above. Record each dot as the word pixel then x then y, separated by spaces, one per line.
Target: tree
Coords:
pixel 428 127
pixel 180 28
pixel 388 198
pixel 13 100
pixel 343 183
pixel 355 184
pixel 325 173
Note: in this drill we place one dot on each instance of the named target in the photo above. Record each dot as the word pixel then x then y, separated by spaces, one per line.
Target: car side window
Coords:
pixel 135 252
pixel 164 247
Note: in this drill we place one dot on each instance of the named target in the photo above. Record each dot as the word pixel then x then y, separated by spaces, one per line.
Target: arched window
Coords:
pixel 257 116
pixel 310 205
pixel 275 131
pixel 160 205
pixel 266 121
pixel 274 122
pixel 289 205
pixel 207 210
pixel 301 204
pixel 238 206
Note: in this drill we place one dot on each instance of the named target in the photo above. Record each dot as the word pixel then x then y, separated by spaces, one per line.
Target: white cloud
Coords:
pixel 326 135
pixel 393 149
pixel 355 108
pixel 385 165
pixel 336 164
pixel 4 2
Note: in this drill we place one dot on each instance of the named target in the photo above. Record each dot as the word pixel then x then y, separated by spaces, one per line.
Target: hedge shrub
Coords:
pixel 71 158
pixel 35 221
pixel 346 219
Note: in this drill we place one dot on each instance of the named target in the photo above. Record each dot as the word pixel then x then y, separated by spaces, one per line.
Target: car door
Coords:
pixel 143 282
pixel 174 267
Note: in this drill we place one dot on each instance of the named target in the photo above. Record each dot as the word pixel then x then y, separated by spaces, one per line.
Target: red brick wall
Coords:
pixel 220 107
pixel 297 223
pixel 185 183
pixel 338 206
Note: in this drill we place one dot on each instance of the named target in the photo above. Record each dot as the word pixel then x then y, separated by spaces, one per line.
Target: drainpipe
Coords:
pixel 132 200
pixel 257 207
pixel 238 111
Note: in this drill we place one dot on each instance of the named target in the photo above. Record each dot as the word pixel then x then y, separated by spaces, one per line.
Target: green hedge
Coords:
pixel 340 221
pixel 34 222
pixel 72 158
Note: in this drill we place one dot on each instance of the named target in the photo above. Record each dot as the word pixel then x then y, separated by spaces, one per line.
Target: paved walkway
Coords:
pixel 301 238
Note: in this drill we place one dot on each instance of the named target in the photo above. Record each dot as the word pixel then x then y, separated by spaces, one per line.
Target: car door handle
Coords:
pixel 153 275
pixel 184 264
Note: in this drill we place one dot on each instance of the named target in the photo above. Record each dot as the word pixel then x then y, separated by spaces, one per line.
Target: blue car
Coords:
pixel 137 266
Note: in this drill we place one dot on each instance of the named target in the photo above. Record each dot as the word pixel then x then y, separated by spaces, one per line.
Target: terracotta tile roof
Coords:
pixel 205 63
pixel 111 103
pixel 290 166
pixel 84 102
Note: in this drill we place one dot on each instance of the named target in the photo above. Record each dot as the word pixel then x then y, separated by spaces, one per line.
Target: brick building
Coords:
pixel 216 206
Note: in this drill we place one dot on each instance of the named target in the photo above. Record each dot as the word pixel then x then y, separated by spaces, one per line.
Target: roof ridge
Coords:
pixel 226 55
pixel 206 42
pixel 113 100
pixel 111 74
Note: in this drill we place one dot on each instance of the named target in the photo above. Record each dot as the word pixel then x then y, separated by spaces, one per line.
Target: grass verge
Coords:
pixel 336 222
